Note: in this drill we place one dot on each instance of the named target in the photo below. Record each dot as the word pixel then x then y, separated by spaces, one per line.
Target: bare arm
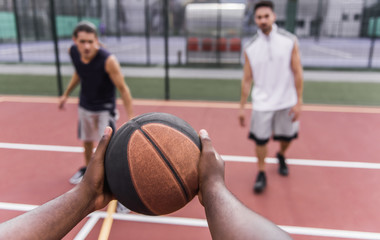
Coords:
pixel 227 217
pixel 298 80
pixel 113 69
pixel 246 85
pixel 73 83
pixel 56 218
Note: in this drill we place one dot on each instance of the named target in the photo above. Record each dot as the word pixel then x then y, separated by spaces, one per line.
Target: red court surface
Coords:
pixel 331 192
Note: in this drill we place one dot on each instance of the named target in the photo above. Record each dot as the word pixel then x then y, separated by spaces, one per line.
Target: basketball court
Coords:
pixel 331 192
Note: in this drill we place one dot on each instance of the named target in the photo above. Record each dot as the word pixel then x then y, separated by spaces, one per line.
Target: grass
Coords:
pixel 342 93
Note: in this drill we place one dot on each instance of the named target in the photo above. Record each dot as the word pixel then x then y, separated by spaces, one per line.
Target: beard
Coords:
pixel 266 28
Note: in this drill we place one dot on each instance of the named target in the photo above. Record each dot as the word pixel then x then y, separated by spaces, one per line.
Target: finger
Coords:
pixel 101 148
pixel 205 139
pixel 242 122
pixel 207 146
pixel 295 117
pixel 203 134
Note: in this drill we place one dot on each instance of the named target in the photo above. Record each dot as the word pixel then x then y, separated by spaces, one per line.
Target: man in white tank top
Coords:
pixel 273 66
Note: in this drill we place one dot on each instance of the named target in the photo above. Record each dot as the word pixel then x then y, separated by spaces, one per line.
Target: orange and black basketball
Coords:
pixel 151 163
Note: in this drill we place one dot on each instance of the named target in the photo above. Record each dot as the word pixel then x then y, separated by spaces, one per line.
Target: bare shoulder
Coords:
pixel 112 60
pixel 112 64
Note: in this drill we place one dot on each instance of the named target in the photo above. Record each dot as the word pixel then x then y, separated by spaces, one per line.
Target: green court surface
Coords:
pixel 342 93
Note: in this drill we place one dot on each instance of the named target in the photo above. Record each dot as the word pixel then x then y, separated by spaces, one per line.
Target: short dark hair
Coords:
pixel 264 4
pixel 85 26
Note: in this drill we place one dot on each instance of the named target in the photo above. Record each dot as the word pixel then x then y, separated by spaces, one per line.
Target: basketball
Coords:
pixel 151 163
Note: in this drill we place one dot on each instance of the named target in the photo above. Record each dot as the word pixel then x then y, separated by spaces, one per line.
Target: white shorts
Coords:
pixel 278 123
pixel 91 124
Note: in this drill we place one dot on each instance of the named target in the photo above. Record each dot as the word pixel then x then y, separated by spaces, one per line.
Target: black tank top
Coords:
pixel 97 91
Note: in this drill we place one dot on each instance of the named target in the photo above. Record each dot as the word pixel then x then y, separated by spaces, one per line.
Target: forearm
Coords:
pixel 50 220
pixel 246 82
pixel 298 73
pixel 228 218
pixel 127 101
pixel 73 83
pixel 245 90
pixel 298 81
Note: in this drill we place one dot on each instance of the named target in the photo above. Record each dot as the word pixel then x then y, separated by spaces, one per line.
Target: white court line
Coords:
pixel 195 222
pixel 228 158
pixel 306 162
pixel 323 232
pixel 87 228
pixel 17 206
pixel 36 147
pixel 191 222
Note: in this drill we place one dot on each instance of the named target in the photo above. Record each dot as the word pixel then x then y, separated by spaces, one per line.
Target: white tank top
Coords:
pixel 270 60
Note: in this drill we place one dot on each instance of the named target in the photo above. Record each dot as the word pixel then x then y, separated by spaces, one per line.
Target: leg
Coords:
pixel 260 132
pixel 284 145
pixel 261 152
pixel 85 133
pixel 283 168
pixel 284 131
pixel 261 181
pixel 88 146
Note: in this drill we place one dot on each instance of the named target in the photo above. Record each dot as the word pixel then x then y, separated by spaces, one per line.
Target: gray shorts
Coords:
pixel 91 124
pixel 279 123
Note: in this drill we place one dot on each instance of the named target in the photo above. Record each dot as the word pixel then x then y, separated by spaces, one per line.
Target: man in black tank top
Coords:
pixel 98 73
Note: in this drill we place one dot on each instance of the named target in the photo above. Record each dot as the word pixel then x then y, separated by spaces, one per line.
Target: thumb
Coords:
pixel 101 148
pixel 205 139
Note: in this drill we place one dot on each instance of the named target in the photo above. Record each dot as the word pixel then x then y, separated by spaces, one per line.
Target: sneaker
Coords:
pixel 261 182
pixel 78 176
pixel 282 168
pixel 120 208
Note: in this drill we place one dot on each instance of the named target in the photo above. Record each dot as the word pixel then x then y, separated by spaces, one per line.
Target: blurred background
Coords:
pixel 332 33
pixel 197 34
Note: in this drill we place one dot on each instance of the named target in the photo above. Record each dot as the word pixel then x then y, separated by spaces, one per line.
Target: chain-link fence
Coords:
pixel 332 33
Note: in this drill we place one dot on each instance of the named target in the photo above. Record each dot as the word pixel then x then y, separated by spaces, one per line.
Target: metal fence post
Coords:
pixel 99 9
pixel 318 21
pixel 18 32
pixel 35 23
pixel 166 36
pixel 107 20
pixel 373 39
pixel 56 49
pixel 376 15
pixel 147 32
pixel 291 15
pixel 118 9
pixel 218 30
pixel 79 11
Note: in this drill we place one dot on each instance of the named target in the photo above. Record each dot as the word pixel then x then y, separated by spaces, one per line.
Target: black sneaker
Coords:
pixel 78 176
pixel 282 168
pixel 261 182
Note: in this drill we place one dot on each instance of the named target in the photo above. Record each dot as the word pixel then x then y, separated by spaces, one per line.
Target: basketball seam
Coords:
pixel 141 121
pixel 168 163
pixel 174 170
pixel 147 209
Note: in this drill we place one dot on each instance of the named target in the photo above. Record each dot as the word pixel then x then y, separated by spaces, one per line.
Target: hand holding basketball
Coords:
pixel 211 166
pixel 151 163
pixel 93 180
